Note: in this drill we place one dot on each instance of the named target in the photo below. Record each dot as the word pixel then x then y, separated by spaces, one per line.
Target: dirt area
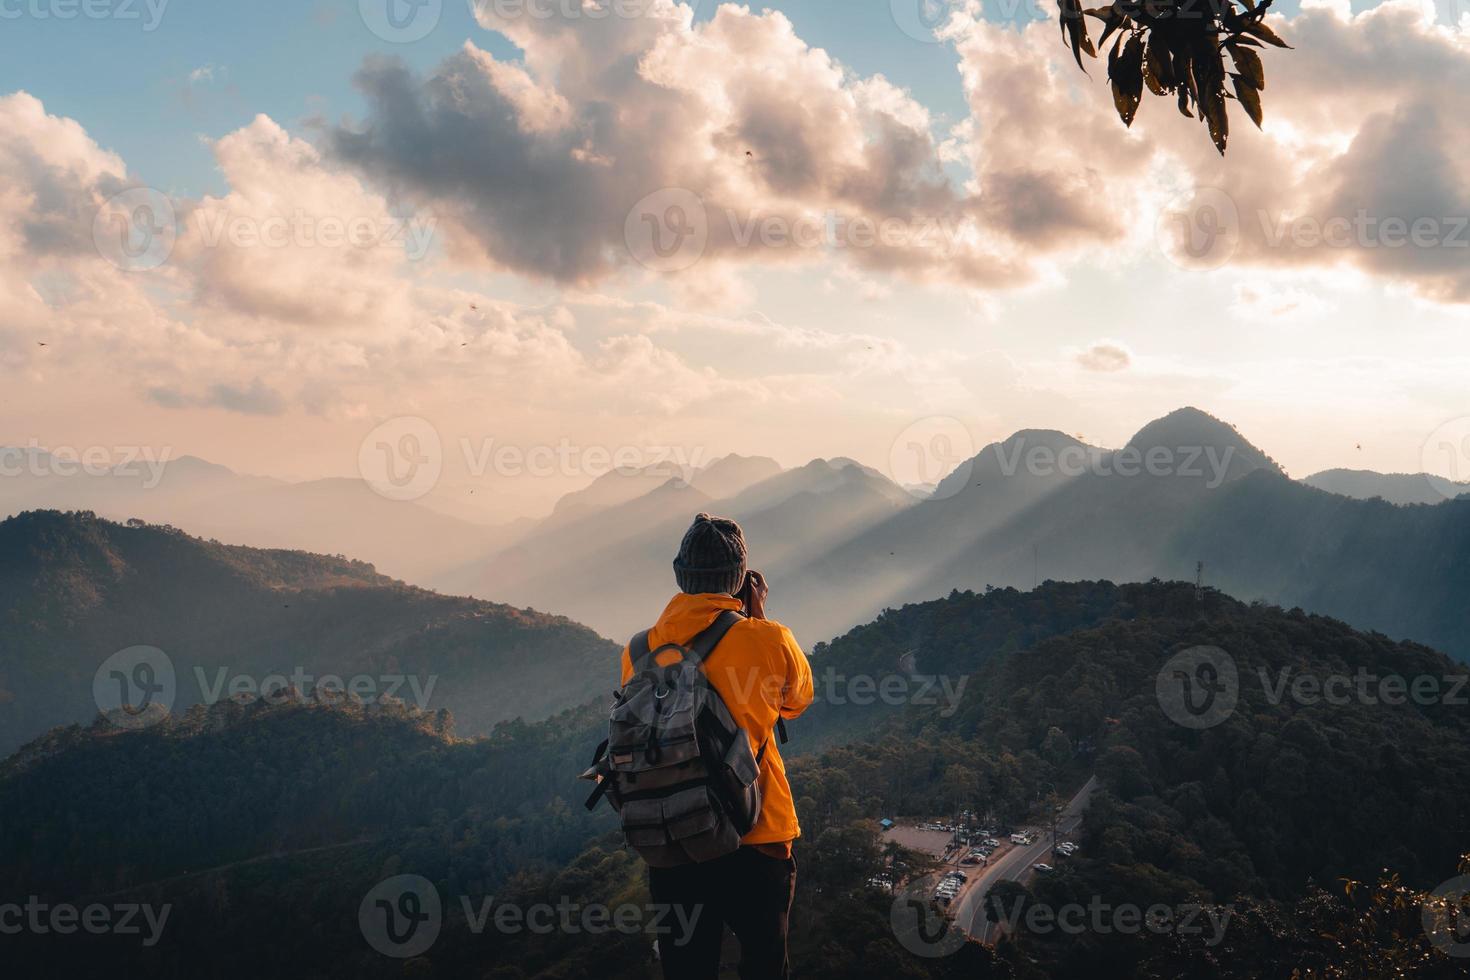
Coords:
pixel 929 841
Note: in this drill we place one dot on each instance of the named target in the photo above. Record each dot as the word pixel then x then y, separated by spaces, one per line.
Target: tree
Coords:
pixel 1177 47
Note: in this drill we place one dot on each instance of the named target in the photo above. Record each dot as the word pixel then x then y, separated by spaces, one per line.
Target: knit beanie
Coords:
pixel 711 556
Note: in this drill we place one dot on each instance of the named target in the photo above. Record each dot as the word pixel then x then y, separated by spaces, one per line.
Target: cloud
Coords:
pixel 1365 138
pixel 1105 357
pixel 787 155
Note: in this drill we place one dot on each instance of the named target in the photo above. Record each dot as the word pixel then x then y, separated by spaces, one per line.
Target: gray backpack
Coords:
pixel 675 765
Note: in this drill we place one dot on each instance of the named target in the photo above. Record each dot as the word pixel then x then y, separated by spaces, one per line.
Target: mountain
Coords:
pixel 272 829
pixel 334 516
pixel 612 567
pixel 839 542
pixel 1396 488
pixel 724 477
pixel 1041 506
pixel 76 589
pixel 344 517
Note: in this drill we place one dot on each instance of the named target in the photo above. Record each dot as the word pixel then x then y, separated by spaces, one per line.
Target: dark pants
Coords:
pixel 748 891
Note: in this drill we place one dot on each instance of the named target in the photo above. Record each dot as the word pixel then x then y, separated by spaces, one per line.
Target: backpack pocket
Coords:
pixel 739 785
pixel 687 826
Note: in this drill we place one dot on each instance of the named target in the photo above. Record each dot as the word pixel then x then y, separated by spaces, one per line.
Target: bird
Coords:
pixel 749 154
pixel 465 344
pixel 40 343
pixel 1360 447
pixel 473 306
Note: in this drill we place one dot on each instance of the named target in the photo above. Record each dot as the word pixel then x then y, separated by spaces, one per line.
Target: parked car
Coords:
pixel 1045 869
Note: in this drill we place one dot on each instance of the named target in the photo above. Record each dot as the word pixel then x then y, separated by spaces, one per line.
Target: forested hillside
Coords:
pixel 75 589
pixel 249 819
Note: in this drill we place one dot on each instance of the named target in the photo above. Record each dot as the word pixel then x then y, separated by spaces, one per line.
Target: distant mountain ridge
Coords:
pixel 1396 488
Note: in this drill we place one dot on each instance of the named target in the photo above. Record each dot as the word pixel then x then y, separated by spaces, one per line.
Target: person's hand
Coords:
pixel 754 594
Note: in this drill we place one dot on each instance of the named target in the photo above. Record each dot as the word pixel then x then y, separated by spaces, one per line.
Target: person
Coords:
pixel 763 676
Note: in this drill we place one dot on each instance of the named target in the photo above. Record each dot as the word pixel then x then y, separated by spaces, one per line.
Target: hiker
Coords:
pixel 692 762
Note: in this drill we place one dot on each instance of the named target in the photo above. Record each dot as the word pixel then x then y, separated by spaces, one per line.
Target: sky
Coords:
pixel 276 235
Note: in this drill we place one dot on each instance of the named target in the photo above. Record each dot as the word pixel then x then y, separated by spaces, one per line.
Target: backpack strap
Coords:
pixel 638 651
pixel 708 638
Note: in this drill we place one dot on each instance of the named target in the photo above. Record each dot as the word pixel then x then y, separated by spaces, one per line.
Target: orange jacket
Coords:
pixel 761 673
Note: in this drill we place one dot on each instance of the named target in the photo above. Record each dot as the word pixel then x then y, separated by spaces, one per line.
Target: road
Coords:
pixel 1015 865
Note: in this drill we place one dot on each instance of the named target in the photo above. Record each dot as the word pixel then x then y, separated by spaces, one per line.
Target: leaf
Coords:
pixel 1151 80
pixel 1074 30
pixel 1209 80
pixel 1249 65
pixel 1125 73
pixel 1121 20
pixel 1260 30
pixel 1249 97
pixel 1159 66
pixel 1184 102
